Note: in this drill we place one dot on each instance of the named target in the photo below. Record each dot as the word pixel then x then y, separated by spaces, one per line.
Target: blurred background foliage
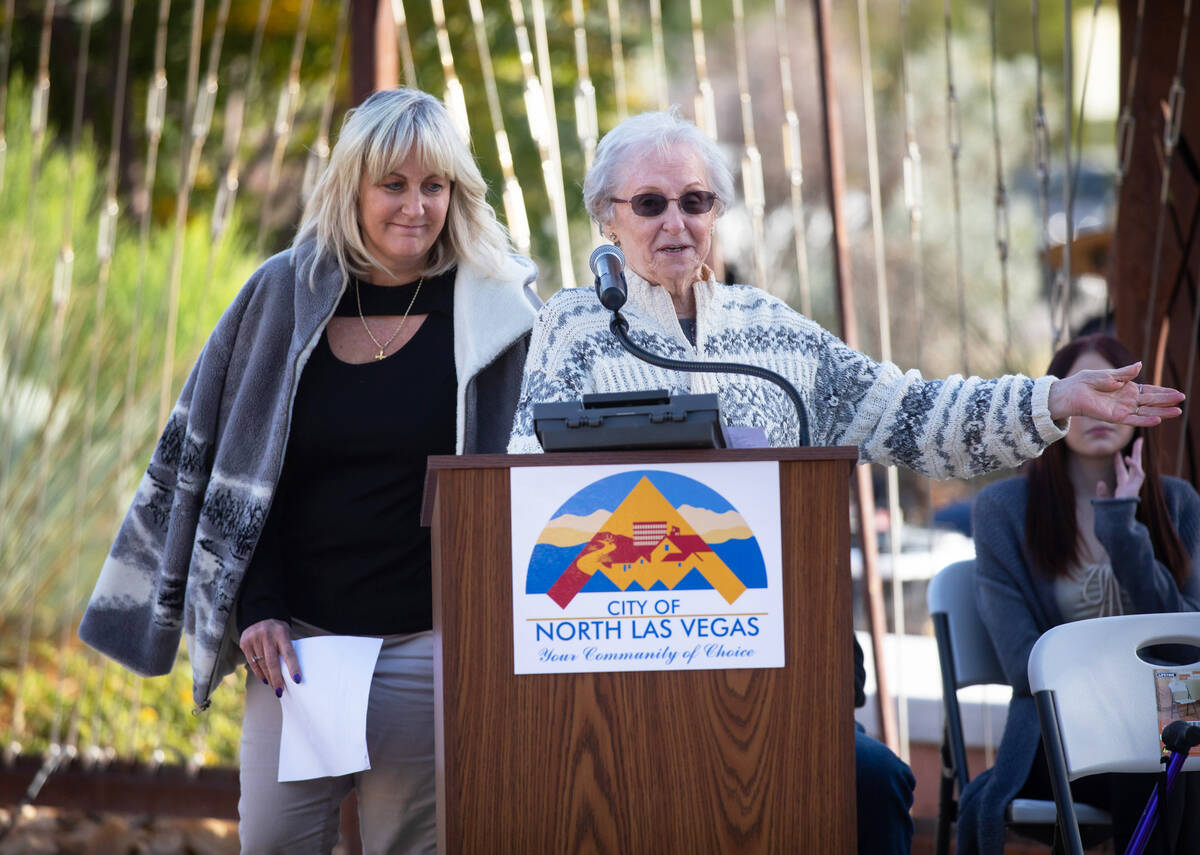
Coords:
pixel 82 361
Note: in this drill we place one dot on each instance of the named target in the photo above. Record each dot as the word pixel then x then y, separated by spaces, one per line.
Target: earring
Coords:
pixel 612 236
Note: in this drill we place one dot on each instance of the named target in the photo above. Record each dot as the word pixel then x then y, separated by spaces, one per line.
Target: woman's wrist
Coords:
pixel 1050 427
pixel 1058 399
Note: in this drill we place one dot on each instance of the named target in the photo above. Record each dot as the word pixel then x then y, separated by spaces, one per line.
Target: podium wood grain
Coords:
pixel 724 761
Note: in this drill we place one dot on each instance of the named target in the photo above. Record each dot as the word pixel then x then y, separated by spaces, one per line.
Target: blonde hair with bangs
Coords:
pixel 376 136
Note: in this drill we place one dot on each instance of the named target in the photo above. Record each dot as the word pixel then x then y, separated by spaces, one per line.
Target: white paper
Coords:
pixel 325 715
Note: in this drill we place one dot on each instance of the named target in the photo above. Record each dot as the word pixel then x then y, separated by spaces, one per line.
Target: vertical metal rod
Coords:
pixel 1068 185
pixel 175 270
pixel 553 167
pixel 831 121
pixel 1060 775
pixel 1001 198
pixel 515 215
pixel 1145 826
pixel 5 56
pixel 453 96
pixel 895 517
pixel 752 171
pixel 620 84
pixel 954 144
pixel 400 24
pixel 792 157
pixel 1190 375
pixel 660 54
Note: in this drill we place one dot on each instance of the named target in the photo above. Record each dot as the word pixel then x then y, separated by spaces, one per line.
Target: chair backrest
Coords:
pixel 967 658
pixel 1105 695
pixel 952 593
pixel 965 653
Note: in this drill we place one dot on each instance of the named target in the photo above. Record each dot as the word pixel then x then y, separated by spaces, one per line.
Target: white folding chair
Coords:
pixel 1096 700
pixel 967 658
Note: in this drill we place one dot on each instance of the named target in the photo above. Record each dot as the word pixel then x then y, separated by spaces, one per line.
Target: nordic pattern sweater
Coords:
pixel 941 428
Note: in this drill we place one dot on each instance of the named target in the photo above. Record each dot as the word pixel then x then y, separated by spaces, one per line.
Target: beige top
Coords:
pixel 1089 591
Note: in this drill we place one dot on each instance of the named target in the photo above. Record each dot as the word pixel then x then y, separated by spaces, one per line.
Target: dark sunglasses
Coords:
pixel 653 204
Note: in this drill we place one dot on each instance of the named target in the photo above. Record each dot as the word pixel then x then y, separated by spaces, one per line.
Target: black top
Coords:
pixel 343 547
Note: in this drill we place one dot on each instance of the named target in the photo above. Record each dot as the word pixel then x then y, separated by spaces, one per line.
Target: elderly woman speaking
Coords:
pixel 655 189
pixel 283 499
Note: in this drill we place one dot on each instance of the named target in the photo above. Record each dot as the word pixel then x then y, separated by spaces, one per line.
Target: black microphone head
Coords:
pixel 608 266
pixel 603 250
pixel 1180 736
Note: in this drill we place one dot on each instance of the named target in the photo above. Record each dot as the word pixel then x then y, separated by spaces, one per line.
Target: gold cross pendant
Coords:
pixel 379 355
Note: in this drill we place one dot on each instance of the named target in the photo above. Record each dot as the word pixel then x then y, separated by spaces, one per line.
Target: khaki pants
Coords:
pixel 396 797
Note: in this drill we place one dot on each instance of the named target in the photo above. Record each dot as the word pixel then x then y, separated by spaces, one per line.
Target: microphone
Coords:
pixel 608 266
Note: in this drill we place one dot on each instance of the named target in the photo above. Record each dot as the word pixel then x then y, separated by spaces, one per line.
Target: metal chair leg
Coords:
pixel 947 806
pixel 1068 823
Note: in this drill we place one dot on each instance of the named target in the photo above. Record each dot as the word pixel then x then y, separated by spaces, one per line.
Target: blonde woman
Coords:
pixel 282 500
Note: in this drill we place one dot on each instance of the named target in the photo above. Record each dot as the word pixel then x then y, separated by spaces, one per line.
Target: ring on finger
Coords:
pixel 255 658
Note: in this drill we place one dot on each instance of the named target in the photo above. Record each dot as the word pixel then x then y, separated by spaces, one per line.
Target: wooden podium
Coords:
pixel 723 761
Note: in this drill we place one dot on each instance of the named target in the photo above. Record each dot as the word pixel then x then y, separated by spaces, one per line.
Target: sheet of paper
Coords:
pixel 325 715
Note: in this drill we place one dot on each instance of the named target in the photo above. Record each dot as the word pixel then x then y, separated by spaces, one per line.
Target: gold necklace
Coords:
pixel 379 354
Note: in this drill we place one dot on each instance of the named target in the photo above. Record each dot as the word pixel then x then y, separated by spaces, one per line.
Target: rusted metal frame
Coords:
pixel 831 122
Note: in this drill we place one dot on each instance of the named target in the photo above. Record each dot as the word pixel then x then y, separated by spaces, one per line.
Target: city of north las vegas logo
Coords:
pixel 641 532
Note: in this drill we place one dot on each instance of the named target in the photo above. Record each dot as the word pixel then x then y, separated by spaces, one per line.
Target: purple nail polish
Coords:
pixel 265 683
pixel 296 676
pixel 279 693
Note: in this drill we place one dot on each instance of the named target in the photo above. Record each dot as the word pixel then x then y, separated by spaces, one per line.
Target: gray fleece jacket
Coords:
pixel 180 555
pixel 1018 605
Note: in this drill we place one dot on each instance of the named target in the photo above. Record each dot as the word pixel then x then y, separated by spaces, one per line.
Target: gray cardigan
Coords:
pixel 1018 606
pixel 180 555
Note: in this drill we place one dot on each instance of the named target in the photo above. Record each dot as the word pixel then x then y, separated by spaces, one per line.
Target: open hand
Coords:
pixel 1111 395
pixel 264 643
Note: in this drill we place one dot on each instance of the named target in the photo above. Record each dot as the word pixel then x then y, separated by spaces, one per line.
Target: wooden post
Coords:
pixel 1140 202
pixel 373 60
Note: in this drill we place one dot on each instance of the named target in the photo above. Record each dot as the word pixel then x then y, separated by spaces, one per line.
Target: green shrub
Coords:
pixel 80 378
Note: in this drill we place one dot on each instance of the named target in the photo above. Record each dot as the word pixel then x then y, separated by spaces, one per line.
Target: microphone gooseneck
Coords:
pixel 620 328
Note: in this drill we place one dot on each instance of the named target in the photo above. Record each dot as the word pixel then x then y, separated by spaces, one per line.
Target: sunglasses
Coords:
pixel 653 204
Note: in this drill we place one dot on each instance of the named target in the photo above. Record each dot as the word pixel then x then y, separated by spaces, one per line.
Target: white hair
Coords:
pixel 376 136
pixel 633 138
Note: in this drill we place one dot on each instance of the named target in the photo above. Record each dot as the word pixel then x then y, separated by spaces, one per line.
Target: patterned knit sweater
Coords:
pixel 941 428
